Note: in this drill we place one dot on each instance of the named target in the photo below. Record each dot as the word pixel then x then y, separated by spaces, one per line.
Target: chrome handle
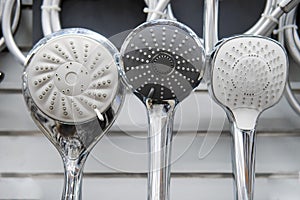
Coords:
pixel 73 177
pixel 243 160
pixel 160 117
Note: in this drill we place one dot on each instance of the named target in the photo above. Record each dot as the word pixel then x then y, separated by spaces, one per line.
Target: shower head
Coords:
pixel 163 59
pixel 71 80
pixel 71 86
pixel 71 76
pixel 163 63
pixel 248 76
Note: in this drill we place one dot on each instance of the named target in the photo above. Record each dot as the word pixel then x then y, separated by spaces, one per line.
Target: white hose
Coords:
pixel 50 16
pixel 151 5
pixel 7 32
pixel 46 13
pixel 156 9
pixel 15 22
pixel 55 18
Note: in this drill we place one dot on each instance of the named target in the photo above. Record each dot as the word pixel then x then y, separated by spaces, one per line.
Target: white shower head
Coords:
pixel 71 77
pixel 248 76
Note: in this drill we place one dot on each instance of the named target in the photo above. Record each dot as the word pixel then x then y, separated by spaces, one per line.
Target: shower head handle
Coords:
pixel 243 156
pixel 160 134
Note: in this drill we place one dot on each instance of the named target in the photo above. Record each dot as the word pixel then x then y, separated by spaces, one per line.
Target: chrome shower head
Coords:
pixel 163 63
pixel 72 77
pixel 248 76
pixel 163 60
pixel 72 87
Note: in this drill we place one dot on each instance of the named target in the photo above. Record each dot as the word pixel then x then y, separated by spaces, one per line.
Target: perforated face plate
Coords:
pixel 249 72
pixel 163 60
pixel 72 76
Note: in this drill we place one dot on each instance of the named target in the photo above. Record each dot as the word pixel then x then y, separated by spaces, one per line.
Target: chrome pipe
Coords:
pixel 290 38
pixel 210 26
pixel 160 118
pixel 243 160
pixel 271 22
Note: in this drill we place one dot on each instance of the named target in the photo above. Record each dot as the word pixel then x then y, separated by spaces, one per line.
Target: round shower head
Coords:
pixel 249 74
pixel 163 60
pixel 72 76
pixel 72 88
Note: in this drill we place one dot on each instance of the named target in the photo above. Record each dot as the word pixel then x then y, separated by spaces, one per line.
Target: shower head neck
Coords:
pixel 163 60
pixel 248 76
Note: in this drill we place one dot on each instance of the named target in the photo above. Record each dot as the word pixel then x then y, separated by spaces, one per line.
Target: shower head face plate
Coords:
pixel 249 73
pixel 163 60
pixel 72 77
